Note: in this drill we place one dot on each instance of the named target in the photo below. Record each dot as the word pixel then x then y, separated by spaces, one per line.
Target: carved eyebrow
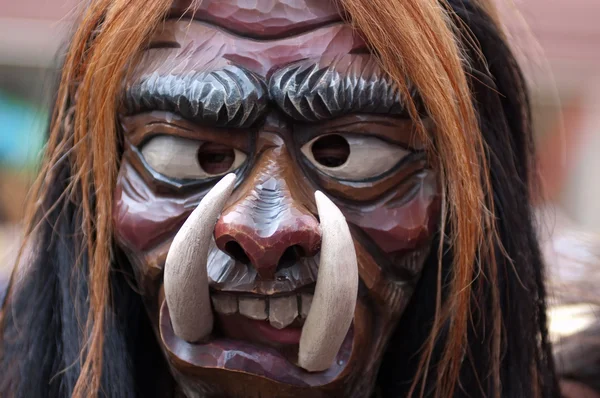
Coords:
pixel 231 96
pixel 354 83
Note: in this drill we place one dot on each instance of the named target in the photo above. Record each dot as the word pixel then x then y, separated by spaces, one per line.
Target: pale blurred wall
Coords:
pixel 31 33
pixel 558 42
pixel 32 30
pixel 581 197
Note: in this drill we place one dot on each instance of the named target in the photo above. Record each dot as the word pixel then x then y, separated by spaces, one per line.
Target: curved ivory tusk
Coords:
pixel 186 279
pixel 334 301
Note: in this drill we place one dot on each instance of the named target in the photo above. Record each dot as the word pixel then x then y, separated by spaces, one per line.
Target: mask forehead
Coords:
pixel 181 47
pixel 260 36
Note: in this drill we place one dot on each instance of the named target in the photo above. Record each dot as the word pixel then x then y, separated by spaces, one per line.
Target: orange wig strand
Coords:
pixel 109 36
pixel 424 47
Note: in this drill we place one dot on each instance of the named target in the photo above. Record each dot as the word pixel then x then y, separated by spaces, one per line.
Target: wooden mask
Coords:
pixel 272 198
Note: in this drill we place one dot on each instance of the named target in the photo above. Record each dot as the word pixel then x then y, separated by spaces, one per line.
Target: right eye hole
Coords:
pixel 353 157
pixel 331 151
pixel 182 158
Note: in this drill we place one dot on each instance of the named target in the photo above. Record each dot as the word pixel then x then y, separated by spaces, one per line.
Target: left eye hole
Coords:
pixel 182 158
pixel 353 157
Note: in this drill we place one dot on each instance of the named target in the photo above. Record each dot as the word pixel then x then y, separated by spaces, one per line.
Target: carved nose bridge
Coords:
pixel 267 228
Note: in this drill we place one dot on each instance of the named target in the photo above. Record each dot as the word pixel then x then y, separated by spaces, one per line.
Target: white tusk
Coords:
pixel 334 301
pixel 186 279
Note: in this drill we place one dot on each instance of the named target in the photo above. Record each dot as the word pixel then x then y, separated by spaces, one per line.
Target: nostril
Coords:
pixel 235 250
pixel 290 256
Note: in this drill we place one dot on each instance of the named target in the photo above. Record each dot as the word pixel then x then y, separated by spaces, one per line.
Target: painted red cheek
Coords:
pixel 405 227
pixel 391 235
pixel 142 219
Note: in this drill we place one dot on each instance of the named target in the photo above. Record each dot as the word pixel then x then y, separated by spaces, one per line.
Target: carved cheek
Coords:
pixel 399 225
pixel 142 219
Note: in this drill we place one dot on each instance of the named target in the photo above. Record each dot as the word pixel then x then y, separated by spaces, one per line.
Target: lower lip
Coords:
pixel 283 336
pixel 240 327
pixel 242 356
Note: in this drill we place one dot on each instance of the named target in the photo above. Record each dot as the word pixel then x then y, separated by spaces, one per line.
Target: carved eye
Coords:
pixel 183 158
pixel 353 157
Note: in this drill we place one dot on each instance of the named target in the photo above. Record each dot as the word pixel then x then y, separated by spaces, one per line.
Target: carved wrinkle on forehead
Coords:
pixel 264 19
pixel 181 46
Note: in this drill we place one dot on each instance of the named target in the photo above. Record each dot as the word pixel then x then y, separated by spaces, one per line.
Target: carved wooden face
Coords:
pixel 287 96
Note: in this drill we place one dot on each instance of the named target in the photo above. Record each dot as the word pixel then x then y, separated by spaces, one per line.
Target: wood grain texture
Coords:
pixel 264 19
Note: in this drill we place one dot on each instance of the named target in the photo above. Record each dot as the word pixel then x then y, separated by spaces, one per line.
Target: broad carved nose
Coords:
pixel 267 229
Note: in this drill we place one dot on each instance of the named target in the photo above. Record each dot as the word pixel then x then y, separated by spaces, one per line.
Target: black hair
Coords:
pixel 526 365
pixel 45 317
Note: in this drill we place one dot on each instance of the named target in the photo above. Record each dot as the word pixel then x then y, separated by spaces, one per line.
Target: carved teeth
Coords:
pixel 225 304
pixel 254 308
pixel 282 311
pixel 279 311
pixel 306 301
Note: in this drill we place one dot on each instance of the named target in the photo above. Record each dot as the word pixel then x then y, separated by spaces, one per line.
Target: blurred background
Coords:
pixel 557 42
pixel 31 33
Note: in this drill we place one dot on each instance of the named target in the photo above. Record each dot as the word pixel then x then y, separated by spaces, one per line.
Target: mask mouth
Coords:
pixel 273 321
pixel 241 344
pixel 190 308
